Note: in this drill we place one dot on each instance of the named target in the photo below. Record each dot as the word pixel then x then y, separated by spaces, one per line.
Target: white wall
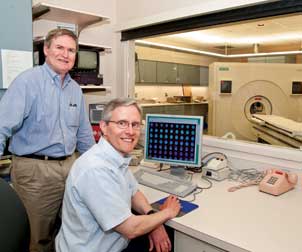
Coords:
pixel 135 13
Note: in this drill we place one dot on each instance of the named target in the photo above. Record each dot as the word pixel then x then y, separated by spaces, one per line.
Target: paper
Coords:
pixel 14 62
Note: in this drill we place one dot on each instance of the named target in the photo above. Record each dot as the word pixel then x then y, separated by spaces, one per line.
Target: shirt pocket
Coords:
pixel 73 117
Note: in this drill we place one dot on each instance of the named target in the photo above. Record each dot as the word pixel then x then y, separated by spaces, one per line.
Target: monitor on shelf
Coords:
pixel 87 60
pixel 86 67
pixel 173 139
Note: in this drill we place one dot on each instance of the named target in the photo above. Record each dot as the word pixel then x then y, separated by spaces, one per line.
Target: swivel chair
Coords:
pixel 14 224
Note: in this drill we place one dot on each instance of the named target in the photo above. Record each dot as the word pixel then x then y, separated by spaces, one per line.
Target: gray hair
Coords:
pixel 53 34
pixel 118 102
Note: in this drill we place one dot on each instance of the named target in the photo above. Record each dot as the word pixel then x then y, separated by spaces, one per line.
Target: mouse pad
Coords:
pixel 186 206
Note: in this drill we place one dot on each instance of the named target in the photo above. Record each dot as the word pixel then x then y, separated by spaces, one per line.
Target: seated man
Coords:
pixel 101 191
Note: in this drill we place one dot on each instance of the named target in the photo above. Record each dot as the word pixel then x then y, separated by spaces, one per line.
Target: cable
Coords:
pixel 211 154
pixel 195 193
pixel 200 188
pixel 246 177
pixel 209 181
pixel 195 169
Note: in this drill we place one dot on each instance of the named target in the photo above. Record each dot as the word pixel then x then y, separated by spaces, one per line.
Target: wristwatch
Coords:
pixel 150 212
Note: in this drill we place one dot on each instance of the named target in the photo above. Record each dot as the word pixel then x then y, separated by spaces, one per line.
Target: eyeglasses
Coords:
pixel 122 124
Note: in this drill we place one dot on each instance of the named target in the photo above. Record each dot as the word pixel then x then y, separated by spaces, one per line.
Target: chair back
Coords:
pixel 14 223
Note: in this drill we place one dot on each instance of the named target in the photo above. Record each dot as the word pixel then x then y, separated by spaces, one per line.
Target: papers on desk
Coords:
pixel 186 206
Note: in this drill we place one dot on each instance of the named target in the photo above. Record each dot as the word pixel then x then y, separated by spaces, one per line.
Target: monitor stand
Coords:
pixel 179 171
pixel 175 170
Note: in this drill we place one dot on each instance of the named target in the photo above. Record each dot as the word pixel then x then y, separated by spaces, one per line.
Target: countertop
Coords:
pixel 245 220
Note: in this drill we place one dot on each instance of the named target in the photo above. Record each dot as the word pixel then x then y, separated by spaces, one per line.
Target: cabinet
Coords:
pixel 184 243
pixel 204 76
pixel 80 19
pixel 189 74
pixel 175 110
pixel 157 72
pixel 166 72
pixel 147 71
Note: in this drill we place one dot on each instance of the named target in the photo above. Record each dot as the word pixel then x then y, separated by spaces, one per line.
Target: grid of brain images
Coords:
pixel 173 141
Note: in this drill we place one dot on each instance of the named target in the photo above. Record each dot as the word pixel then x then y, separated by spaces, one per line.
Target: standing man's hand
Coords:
pixel 159 240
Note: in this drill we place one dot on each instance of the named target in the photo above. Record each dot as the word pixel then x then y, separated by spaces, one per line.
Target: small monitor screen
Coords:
pixel 225 86
pixel 87 59
pixel 173 139
pixel 95 113
pixel 297 87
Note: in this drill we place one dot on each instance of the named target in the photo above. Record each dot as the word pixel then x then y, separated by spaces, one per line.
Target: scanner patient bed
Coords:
pixel 277 130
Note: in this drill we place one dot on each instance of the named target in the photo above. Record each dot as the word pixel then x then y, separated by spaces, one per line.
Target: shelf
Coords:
pixel 95 88
pixel 65 15
pixel 94 46
pixel 83 45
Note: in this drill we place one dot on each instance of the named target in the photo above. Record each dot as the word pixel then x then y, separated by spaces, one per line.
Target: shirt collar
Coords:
pixel 115 157
pixel 56 76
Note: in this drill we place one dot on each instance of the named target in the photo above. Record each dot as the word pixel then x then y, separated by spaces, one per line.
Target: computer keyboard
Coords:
pixel 164 182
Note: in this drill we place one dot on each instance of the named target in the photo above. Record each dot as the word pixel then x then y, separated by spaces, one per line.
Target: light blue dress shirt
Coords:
pixel 97 198
pixel 44 117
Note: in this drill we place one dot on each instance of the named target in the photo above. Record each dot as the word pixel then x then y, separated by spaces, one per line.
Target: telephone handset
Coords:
pixel 277 182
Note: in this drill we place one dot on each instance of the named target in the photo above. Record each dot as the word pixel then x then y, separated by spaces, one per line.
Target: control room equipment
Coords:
pixel 216 168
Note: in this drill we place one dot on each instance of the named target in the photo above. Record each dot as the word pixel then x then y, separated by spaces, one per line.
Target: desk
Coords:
pixel 245 220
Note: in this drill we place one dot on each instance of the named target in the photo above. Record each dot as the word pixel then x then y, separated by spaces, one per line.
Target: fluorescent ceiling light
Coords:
pixel 206 37
pixel 183 49
pixel 178 48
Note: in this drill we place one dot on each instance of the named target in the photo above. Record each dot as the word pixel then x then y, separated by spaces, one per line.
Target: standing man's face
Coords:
pixel 123 140
pixel 61 54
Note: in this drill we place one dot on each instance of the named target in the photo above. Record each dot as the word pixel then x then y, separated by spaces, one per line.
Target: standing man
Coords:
pixel 100 192
pixel 43 114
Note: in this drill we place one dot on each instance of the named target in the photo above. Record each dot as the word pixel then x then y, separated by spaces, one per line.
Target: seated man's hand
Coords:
pixel 159 240
pixel 171 203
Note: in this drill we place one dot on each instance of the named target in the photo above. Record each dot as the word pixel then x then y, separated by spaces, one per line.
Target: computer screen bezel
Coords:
pixel 197 162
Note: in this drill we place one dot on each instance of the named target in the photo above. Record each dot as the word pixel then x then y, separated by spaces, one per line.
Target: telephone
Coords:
pixel 277 182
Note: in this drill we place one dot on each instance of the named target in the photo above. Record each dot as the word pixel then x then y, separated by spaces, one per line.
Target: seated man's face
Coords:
pixel 122 139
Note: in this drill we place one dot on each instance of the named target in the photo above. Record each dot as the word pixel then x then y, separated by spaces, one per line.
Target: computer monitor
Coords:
pixel 87 60
pixel 173 139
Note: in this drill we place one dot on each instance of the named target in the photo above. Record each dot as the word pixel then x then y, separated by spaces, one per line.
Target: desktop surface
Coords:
pixel 245 220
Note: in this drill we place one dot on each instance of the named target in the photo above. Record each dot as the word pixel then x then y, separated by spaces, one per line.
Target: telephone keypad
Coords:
pixel 272 180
